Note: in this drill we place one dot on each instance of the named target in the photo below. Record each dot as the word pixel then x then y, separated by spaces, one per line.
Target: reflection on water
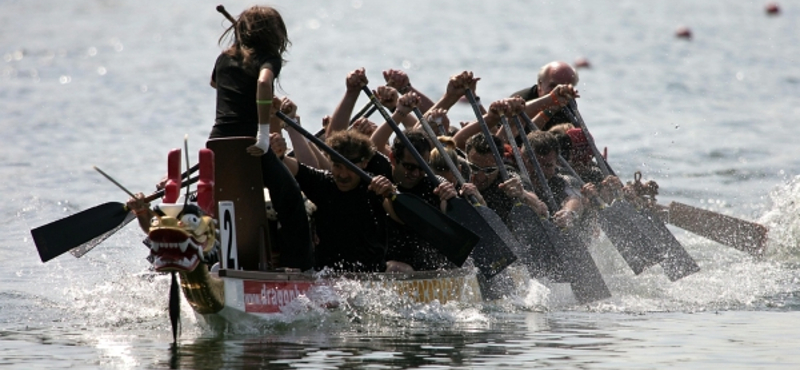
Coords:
pixel 359 346
pixel 519 341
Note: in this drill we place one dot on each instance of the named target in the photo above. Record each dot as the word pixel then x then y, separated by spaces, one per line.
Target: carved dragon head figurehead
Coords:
pixel 180 237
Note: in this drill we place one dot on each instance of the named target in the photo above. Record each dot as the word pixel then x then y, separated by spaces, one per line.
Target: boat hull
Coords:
pixel 244 297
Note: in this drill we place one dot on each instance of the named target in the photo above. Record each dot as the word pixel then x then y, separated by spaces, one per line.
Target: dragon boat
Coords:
pixel 185 238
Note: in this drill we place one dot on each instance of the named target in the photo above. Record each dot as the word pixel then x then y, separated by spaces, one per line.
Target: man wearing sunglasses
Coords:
pixel 499 195
pixel 407 250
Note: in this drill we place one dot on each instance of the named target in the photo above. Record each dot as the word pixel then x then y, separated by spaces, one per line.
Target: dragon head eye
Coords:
pixel 155 221
pixel 190 220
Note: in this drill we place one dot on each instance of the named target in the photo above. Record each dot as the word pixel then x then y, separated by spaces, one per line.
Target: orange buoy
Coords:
pixel 582 63
pixel 683 32
pixel 772 9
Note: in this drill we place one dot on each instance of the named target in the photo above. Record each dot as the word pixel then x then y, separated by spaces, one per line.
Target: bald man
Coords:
pixel 550 75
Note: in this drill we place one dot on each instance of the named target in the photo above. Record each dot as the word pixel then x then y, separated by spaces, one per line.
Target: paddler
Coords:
pixel 244 77
pixel 351 214
pixel 549 77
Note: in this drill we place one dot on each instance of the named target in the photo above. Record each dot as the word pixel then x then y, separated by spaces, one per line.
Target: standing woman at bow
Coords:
pixel 244 76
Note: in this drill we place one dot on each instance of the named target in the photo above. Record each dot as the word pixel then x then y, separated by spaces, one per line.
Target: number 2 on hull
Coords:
pixel 227 218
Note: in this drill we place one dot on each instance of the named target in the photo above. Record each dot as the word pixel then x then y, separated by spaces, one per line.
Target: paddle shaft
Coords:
pixel 572 112
pixel 523 171
pixel 487 134
pixel 227 15
pixel 109 178
pixel 365 112
pixel 548 193
pixel 183 176
pixel 561 161
pixel 440 147
pixel 402 136
pixel 320 144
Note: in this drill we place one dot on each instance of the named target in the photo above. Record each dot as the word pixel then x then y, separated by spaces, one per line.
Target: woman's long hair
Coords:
pixel 258 33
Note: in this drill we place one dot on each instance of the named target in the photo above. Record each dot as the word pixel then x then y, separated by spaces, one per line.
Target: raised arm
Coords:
pixel 456 88
pixel 322 159
pixel 340 119
pixel 492 118
pixel 544 107
pixel 400 81
pixel 302 151
pixel 380 138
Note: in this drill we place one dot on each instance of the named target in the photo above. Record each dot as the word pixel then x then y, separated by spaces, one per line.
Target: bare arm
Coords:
pixel 570 210
pixel 142 211
pixel 381 135
pixel 292 164
pixel 540 108
pixel 492 118
pixel 456 88
pixel 302 149
pixel 340 119
pixel 400 81
pixel 264 93
pixel 299 143
pixel 323 161
pixel 265 105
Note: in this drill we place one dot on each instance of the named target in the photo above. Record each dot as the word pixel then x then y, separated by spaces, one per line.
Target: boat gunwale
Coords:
pixel 362 276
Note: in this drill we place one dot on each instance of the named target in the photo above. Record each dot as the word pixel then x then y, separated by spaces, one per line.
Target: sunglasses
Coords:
pixel 487 170
pixel 410 167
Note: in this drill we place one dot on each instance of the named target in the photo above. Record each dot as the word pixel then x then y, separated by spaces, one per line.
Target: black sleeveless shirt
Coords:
pixel 237 112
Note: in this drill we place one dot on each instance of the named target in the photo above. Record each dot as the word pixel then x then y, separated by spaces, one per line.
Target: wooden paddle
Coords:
pixel 743 235
pixel 675 260
pixel 542 236
pixel 90 227
pixel 571 256
pixel 446 235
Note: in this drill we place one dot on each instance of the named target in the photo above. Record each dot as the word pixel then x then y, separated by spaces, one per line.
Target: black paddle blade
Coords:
pixel 560 255
pixel 677 262
pixel 619 222
pixel 84 248
pixel 585 279
pixel 60 236
pixel 540 256
pixel 446 235
pixel 495 250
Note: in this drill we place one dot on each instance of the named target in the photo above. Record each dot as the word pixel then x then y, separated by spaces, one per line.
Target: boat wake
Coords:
pixel 782 220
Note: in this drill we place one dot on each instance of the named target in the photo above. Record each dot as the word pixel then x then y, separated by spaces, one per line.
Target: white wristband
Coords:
pixel 262 138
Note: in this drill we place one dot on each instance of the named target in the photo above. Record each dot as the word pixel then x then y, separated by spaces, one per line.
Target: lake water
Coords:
pixel 117 84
